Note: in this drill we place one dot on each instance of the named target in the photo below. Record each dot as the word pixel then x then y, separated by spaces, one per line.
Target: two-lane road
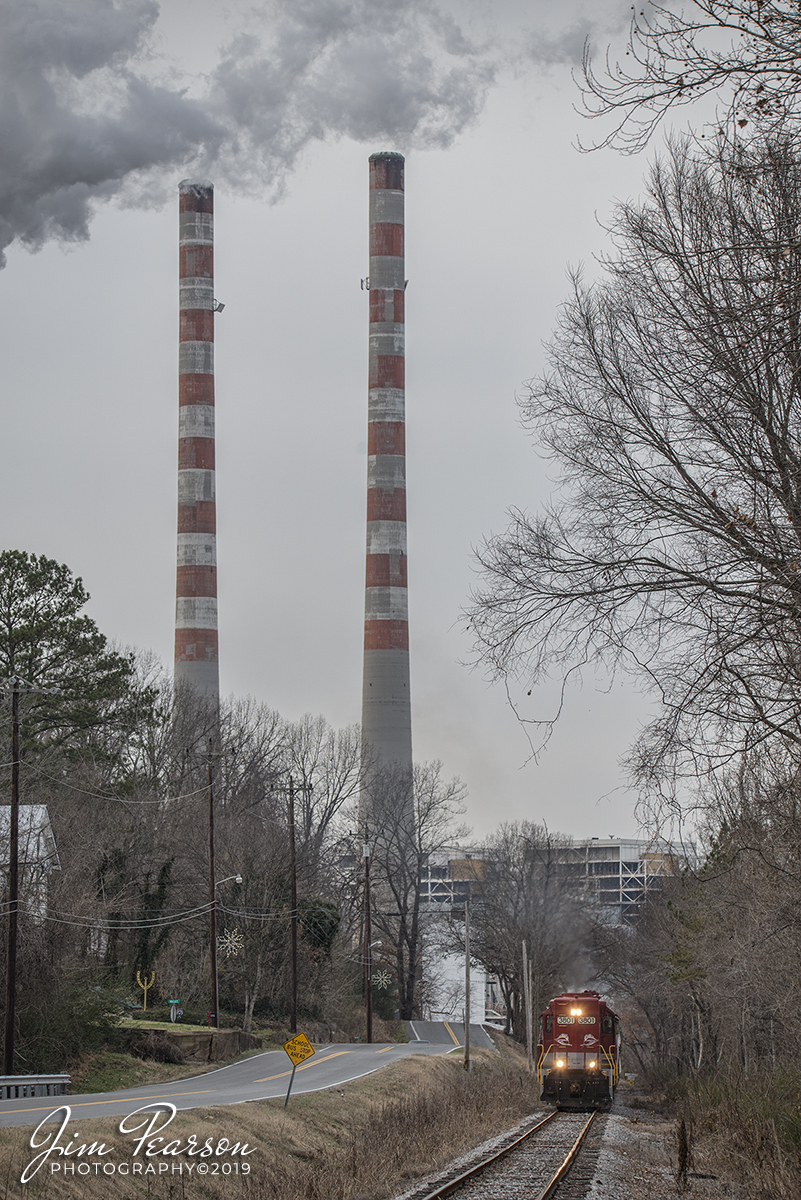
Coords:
pixel 447 1033
pixel 262 1077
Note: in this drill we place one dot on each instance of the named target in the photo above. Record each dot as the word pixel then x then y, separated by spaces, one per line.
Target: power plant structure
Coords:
pixel 196 640
pixel 386 696
pixel 386 692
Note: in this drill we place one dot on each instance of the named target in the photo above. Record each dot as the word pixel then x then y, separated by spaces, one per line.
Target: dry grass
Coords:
pixel 753 1126
pixel 748 1128
pixel 365 1142
pixel 108 1071
pixel 144 1023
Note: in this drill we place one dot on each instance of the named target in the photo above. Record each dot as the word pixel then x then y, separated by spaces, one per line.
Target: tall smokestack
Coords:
pixel 196 646
pixel 386 698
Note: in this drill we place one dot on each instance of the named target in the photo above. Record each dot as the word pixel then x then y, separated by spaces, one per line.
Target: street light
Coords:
pixel 306 788
pixel 228 879
pixel 215 995
pixel 367 932
pixel 359 958
pixel 293 901
pixel 465 912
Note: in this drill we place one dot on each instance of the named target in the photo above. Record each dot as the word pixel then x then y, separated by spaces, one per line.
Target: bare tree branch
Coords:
pixel 746 51
pixel 673 412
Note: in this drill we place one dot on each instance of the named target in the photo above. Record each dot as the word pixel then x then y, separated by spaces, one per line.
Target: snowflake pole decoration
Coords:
pixel 230 943
pixel 382 979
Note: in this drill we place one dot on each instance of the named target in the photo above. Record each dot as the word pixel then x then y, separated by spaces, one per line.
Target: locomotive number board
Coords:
pixel 565 1020
pixel 586 1020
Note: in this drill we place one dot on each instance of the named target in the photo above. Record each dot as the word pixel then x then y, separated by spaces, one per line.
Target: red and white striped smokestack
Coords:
pixel 196 646
pixel 386 698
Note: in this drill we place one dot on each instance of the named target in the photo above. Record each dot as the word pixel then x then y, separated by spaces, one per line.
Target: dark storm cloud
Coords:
pixel 85 117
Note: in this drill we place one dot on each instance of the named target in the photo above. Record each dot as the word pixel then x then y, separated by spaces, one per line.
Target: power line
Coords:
pixel 85 921
pixel 106 796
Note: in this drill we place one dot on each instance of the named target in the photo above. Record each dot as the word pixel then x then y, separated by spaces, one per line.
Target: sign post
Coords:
pixel 298 1049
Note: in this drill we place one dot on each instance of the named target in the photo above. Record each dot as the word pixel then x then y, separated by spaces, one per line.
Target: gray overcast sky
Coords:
pixel 287 101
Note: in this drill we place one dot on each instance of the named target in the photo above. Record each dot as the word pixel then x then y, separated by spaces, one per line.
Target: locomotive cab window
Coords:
pixel 548 1022
pixel 606 1025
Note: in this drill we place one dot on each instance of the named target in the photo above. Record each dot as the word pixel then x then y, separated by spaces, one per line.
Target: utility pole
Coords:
pixel 215 1006
pixel 13 888
pixel 293 900
pixel 368 938
pixel 467 980
pixel 527 1002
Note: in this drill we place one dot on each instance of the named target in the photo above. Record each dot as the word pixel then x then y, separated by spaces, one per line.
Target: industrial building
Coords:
pixel 614 874
pixel 196 634
pixel 386 689
pixel 618 873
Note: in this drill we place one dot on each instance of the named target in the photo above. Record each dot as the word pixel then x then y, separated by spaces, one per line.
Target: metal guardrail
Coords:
pixel 16 1087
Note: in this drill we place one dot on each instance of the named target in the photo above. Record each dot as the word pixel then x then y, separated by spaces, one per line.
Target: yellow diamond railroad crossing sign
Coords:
pixel 299 1049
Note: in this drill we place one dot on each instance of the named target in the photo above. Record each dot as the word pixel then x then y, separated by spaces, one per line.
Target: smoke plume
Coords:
pixel 90 112
pixel 554 44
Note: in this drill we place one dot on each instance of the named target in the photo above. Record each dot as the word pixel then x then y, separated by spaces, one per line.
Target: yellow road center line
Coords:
pixel 453 1035
pixel 304 1066
pixel 383 1050
pixel 171 1095
pixel 89 1103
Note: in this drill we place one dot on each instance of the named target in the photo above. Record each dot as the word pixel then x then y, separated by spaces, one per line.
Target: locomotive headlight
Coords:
pixel 592 1066
pixel 560 1062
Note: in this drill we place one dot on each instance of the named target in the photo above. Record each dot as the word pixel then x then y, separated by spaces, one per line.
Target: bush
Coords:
pixel 755 1121
pixel 59 1024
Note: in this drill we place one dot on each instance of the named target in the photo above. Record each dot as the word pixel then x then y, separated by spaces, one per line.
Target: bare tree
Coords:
pixel 673 411
pixel 707 978
pixel 326 765
pixel 526 896
pixel 753 874
pixel 636 963
pixel 403 835
pixel 746 51
pixel 253 746
pixel 259 910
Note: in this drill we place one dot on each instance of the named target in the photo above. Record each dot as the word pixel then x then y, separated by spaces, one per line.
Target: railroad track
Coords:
pixel 531 1165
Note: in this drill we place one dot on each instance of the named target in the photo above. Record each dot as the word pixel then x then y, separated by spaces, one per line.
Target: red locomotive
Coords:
pixel 578 1057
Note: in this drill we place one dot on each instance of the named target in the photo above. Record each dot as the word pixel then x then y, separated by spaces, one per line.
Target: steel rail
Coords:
pixel 567 1164
pixel 446 1188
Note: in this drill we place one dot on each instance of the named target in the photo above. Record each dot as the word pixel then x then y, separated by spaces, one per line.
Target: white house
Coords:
pixel 37 854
